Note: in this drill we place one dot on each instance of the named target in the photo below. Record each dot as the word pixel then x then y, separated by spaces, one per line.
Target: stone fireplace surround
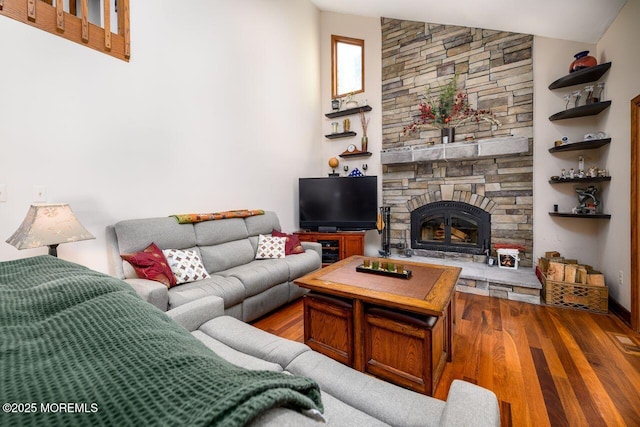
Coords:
pixel 500 183
pixel 494 171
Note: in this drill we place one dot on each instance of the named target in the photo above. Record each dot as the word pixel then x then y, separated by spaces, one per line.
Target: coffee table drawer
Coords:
pixel 403 348
pixel 328 326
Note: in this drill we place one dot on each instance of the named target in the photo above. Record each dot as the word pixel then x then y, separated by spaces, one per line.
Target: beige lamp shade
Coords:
pixel 48 225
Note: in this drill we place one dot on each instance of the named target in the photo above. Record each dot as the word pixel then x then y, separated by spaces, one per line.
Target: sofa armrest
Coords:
pixel 470 405
pixel 151 291
pixel 313 246
pixel 196 313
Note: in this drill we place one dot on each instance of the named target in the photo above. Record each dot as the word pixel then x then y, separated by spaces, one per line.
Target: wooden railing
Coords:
pixel 44 15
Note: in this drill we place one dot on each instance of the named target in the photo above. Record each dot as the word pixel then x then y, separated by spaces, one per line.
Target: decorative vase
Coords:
pixel 364 144
pixel 448 135
pixel 583 60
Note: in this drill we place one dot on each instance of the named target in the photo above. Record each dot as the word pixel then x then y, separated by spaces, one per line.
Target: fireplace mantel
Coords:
pixel 483 148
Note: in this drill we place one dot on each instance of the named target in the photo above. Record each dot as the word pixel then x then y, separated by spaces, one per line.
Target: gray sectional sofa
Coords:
pixel 350 398
pixel 249 288
pixel 241 289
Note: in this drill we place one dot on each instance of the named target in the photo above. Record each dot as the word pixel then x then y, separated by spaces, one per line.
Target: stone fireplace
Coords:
pixel 457 200
pixel 460 203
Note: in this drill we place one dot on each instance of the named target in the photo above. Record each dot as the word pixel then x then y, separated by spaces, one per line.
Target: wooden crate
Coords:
pixel 575 295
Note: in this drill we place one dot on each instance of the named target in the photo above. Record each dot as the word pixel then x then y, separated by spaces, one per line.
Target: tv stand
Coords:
pixel 335 246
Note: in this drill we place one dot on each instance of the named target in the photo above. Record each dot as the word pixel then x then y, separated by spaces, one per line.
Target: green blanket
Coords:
pixel 78 347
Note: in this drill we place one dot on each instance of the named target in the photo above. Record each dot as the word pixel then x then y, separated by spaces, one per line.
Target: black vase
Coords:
pixel 448 135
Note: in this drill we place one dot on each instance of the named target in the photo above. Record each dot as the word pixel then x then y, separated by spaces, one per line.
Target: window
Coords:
pixel 347 66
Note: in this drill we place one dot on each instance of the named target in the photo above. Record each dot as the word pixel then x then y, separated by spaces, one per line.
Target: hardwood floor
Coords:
pixel 548 366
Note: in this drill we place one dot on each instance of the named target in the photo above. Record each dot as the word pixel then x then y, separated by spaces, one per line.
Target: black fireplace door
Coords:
pixel 452 227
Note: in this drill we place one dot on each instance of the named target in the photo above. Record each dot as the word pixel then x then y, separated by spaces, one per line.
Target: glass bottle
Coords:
pixel 576 94
pixel 588 90
pixel 600 96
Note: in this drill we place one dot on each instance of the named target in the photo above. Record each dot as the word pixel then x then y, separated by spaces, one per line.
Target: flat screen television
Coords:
pixel 338 203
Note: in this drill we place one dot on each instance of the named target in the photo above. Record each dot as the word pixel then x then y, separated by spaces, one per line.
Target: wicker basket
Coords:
pixel 575 295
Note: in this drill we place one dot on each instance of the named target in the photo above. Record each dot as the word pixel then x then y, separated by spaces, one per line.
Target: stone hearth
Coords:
pixel 480 279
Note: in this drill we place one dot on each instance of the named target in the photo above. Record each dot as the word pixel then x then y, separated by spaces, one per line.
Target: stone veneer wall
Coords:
pixel 495 70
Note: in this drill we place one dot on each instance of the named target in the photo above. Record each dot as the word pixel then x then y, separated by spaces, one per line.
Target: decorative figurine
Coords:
pixel 572 173
pixel 593 172
pixel 563 174
pixel 588 200
pixel 333 164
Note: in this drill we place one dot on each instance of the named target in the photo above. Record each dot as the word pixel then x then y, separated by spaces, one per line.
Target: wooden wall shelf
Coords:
pixel 590 144
pixel 567 180
pixel 356 153
pixel 581 111
pixel 572 215
pixel 340 135
pixel 585 75
pixel 348 112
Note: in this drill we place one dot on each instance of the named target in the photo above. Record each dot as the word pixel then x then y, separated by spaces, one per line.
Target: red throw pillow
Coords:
pixel 292 244
pixel 151 264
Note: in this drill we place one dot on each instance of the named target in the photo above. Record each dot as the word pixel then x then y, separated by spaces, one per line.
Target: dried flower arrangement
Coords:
pixel 448 109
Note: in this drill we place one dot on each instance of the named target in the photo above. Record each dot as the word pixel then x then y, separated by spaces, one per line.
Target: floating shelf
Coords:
pixel 355 154
pixel 585 75
pixel 567 180
pixel 582 145
pixel 348 112
pixel 572 215
pixel 340 135
pixel 581 111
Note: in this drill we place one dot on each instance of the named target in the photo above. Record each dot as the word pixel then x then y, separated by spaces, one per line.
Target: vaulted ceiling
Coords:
pixel 577 20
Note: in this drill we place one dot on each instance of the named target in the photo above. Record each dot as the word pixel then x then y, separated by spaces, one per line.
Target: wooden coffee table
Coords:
pixel 394 328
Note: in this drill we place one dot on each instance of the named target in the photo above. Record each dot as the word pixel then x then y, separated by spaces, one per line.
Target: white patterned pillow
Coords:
pixel 270 247
pixel 185 265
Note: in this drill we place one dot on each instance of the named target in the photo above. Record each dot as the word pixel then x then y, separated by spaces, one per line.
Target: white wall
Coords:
pixel 367 29
pixel 620 46
pixel 573 238
pixel 218 109
pixel 603 244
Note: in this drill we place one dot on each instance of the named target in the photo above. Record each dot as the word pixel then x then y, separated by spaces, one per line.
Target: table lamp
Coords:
pixel 48 225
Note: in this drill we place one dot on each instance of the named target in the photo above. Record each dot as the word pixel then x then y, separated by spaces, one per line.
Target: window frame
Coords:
pixel 335 39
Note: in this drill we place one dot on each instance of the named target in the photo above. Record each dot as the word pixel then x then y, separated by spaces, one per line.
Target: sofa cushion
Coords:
pixel 259 275
pixel 185 265
pixel 134 235
pixel 151 264
pixel 228 288
pixel 262 224
pixel 336 413
pixel 255 342
pixel 292 245
pixel 384 401
pixel 270 247
pixel 234 356
pixel 301 264
pixel 221 257
pixel 220 231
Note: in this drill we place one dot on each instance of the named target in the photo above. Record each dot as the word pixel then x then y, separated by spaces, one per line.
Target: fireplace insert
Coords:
pixel 451 227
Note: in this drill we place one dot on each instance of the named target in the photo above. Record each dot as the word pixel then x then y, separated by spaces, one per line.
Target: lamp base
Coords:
pixel 53 250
